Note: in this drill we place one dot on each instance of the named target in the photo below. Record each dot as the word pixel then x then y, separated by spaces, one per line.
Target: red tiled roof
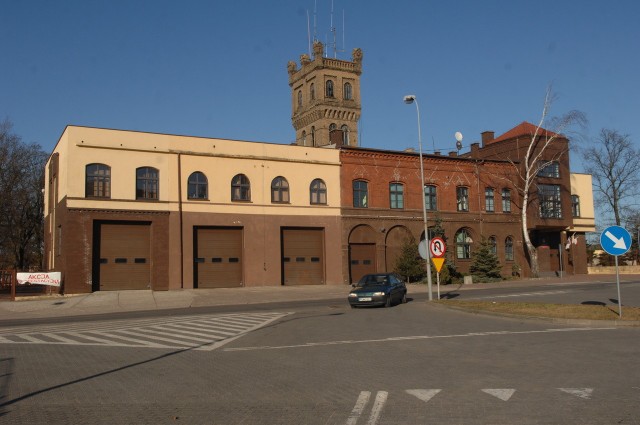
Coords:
pixel 522 129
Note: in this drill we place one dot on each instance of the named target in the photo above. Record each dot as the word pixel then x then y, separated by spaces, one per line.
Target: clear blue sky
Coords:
pixel 218 68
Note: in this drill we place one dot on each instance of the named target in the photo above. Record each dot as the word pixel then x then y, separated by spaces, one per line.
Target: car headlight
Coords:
pixel 352 295
pixel 378 294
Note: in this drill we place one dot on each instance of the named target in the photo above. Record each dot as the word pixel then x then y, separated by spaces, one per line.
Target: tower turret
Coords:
pixel 325 98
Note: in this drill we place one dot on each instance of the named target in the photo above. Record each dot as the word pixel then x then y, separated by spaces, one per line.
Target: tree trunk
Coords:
pixel 533 258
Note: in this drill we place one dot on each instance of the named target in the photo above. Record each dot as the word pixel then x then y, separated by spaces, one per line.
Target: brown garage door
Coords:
pixel 302 256
pixel 218 258
pixel 125 256
pixel 362 260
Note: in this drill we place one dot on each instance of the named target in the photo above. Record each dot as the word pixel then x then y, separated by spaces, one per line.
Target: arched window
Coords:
pixel 360 194
pixel 147 183
pixel 280 190
pixel 318 192
pixel 348 95
pixel 494 245
pixel 299 98
pixel 463 244
pixel 313 135
pixel 240 188
pixel 508 249
pixel 329 89
pixel 197 186
pixel 97 181
pixel 304 138
pixel 312 92
pixel 345 135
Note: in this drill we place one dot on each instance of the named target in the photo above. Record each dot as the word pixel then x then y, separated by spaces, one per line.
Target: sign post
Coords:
pixel 616 241
pixel 437 248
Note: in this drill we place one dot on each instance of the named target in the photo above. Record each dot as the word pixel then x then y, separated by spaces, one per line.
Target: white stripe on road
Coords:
pixel 412 338
pixel 361 403
pixel 526 294
pixel 378 404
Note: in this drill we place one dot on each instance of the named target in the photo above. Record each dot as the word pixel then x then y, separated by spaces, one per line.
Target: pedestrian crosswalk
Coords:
pixel 197 332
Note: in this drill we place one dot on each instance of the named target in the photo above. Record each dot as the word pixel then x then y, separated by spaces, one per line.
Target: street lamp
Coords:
pixel 408 99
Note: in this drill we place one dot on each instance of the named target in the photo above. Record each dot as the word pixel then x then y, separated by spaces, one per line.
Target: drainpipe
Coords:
pixel 180 216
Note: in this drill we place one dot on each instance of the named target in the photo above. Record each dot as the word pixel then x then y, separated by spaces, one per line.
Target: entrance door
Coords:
pixel 362 260
pixel 218 258
pixel 125 256
pixel 302 256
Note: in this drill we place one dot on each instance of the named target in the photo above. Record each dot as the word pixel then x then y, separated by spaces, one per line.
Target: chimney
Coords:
pixel 475 150
pixel 487 137
pixel 453 154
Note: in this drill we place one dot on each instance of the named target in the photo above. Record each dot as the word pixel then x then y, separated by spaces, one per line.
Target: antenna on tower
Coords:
pixel 309 33
pixel 333 32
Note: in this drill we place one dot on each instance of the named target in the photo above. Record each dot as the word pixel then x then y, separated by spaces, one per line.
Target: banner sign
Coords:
pixel 37 278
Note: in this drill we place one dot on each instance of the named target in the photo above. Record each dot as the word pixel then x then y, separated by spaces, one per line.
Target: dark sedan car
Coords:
pixel 378 289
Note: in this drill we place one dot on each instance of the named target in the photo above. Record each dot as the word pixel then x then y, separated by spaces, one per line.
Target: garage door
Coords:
pixel 218 258
pixel 125 256
pixel 361 260
pixel 302 256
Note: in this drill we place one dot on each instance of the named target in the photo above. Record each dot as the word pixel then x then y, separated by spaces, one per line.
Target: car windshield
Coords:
pixel 370 280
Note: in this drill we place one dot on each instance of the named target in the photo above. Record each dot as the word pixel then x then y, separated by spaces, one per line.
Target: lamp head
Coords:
pixel 409 98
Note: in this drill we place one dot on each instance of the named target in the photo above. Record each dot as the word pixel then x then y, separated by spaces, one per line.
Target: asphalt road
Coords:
pixel 320 363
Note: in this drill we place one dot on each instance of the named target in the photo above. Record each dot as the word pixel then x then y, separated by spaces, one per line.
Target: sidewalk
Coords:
pixel 126 301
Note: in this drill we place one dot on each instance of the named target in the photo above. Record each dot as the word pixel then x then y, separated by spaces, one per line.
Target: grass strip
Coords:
pixel 560 311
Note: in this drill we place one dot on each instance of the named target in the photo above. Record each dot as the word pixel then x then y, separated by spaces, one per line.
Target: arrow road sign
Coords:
pixel 615 240
pixel 437 247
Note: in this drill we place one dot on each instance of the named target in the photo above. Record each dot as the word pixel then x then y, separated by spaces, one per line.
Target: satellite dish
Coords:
pixel 458 137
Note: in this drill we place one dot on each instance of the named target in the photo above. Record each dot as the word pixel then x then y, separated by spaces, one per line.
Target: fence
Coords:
pixel 9 288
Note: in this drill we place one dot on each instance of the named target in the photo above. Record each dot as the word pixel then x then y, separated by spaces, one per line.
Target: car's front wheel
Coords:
pixel 404 298
pixel 388 302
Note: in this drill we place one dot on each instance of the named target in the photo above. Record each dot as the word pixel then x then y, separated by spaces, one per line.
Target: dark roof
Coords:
pixel 523 129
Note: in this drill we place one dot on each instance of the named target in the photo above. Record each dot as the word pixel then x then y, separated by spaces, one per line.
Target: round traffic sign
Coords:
pixel 437 247
pixel 615 240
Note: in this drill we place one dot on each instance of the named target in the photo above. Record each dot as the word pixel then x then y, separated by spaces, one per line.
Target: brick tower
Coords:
pixel 325 99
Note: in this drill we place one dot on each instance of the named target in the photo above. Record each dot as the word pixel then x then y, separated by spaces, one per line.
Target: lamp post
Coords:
pixel 411 98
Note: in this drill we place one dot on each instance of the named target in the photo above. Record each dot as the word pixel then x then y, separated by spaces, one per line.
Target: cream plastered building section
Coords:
pixel 177 157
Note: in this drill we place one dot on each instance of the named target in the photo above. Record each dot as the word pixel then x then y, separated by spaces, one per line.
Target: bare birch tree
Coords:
pixel 615 166
pixel 544 147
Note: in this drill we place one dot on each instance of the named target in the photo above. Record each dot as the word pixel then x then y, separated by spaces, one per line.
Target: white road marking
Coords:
pixel 424 395
pixel 524 294
pixel 361 403
pixel 503 394
pixel 578 392
pixel 196 332
pixel 378 404
pixel 413 338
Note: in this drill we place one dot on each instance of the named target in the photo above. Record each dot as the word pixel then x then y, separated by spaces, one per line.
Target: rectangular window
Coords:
pixel 121 261
pixel 430 198
pixel 360 192
pixel 552 169
pixel 488 200
pixel 463 198
pixel 575 205
pixel 396 195
pixel 506 201
pixel 140 260
pixel 549 201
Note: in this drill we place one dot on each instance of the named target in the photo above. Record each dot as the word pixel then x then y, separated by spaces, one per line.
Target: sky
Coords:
pixel 218 68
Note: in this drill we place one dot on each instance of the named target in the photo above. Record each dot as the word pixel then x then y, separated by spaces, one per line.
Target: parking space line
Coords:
pixel 416 337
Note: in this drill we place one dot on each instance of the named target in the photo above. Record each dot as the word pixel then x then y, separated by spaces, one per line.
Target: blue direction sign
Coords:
pixel 615 240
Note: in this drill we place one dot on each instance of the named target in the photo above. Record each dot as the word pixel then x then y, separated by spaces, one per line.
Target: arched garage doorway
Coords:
pixel 396 238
